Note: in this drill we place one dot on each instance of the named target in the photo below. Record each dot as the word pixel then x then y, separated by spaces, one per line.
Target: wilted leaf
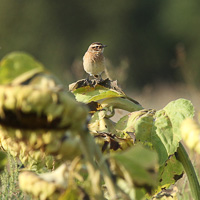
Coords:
pixel 169 173
pixel 110 142
pixel 167 194
pixel 99 123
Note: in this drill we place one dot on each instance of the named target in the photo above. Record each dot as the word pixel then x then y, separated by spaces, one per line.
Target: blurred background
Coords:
pixel 153 46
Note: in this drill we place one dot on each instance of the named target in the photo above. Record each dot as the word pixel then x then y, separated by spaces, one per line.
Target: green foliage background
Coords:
pixel 144 32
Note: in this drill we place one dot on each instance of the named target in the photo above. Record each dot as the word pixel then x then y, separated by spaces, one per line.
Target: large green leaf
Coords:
pixel 166 133
pixel 161 128
pixel 15 64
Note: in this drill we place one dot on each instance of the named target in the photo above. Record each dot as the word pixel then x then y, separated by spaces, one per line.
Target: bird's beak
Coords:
pixel 104 46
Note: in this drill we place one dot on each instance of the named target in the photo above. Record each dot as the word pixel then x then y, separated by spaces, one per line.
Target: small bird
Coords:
pixel 94 60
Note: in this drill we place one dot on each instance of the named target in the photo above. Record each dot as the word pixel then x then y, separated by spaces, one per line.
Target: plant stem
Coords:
pixel 106 173
pixel 183 157
pixel 90 151
pixel 121 103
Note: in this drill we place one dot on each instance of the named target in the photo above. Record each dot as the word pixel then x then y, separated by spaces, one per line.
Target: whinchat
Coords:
pixel 94 60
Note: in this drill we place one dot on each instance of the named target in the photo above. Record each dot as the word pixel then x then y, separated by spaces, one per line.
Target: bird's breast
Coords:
pixel 94 64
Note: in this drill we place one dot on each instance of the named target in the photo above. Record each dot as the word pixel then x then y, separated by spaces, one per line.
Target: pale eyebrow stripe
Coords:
pixel 96 45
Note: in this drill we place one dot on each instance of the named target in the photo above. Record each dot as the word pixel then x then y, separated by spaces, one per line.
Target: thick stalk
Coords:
pixel 183 157
pixel 121 103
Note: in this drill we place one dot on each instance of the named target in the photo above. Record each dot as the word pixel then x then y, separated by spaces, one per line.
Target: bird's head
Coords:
pixel 96 47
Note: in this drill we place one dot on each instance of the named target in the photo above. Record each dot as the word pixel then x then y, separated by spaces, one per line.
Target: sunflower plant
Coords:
pixel 70 146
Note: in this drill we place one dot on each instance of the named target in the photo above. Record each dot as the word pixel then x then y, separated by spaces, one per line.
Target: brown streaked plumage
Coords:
pixel 94 60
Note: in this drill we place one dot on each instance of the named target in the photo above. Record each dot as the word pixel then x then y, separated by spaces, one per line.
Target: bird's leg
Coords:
pixel 98 78
pixel 88 78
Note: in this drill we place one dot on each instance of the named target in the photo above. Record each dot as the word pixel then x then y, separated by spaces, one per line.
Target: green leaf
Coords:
pixel 138 123
pixel 177 111
pixel 108 91
pixel 160 128
pixel 27 77
pixel 143 125
pixel 166 133
pixel 87 94
pixel 140 163
pixel 15 64
pixel 162 136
